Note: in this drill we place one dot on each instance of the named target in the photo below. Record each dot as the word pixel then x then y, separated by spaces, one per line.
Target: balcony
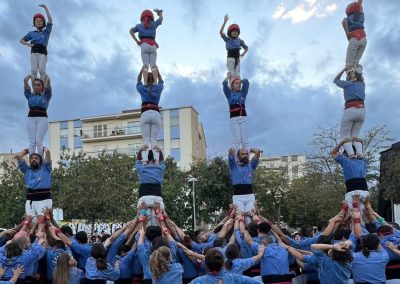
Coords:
pixel 127 151
pixel 109 132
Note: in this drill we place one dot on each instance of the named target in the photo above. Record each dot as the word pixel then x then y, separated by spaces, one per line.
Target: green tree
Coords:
pixel 391 180
pixel 12 195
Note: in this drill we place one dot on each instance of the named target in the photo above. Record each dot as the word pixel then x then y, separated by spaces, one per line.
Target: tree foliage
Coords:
pixel 390 183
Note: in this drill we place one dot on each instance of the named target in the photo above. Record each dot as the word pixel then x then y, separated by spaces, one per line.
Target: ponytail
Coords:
pixel 101 263
pixel 365 251
pixel 99 253
pixel 159 261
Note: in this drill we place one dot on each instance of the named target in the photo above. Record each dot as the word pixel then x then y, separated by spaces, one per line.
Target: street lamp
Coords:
pixel 193 180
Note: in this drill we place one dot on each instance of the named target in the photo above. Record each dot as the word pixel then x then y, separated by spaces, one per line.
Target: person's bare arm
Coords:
pixel 26 82
pixel 339 75
pixel 47 156
pixel 49 18
pixel 335 151
pixel 257 153
pixel 346 28
pixel 134 37
pixel 64 238
pixel 392 247
pixel 224 229
pixel 298 255
pixel 221 31
pixel 259 255
pixel 16 273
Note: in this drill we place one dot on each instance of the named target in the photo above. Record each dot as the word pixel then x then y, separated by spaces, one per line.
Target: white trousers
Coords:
pixel 350 126
pixel 355 50
pixel 150 200
pixel 150 125
pixel 35 208
pixel 245 203
pixel 149 54
pixel 37 129
pixel 230 63
pixel 38 64
pixel 239 131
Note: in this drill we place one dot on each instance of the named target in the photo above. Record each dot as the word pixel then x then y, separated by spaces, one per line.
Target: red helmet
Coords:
pixel 146 13
pixel 38 15
pixel 352 8
pixel 233 27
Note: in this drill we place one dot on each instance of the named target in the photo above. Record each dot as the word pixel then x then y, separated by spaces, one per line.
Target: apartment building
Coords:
pixel 294 164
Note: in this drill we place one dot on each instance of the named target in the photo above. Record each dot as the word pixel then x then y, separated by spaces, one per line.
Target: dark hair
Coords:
pixel 59 244
pixel 306 230
pixel 394 225
pixel 214 260
pixel 123 248
pixel 286 232
pixel 342 233
pixel 385 230
pixel 99 253
pixel 369 243
pixel 219 242
pixel 158 242
pixel 81 237
pixel 152 232
pixel 321 225
pixel 343 257
pixel 39 80
pixel 264 228
pixel 324 239
pixel 197 233
pixel 67 230
pixel 232 252
pixel 371 227
pixel 252 228
pixel 191 234
pixel 13 249
pixel 218 229
pixel 37 155
pixel 104 237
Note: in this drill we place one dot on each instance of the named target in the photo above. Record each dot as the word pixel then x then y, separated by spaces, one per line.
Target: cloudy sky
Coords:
pixel 296 47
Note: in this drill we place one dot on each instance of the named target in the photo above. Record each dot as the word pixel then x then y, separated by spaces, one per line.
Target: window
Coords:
pixel 77 142
pixel 294 158
pixel 174 113
pixel 133 148
pixel 63 124
pixel 174 132
pixel 77 132
pixel 64 133
pixel 77 123
pixel 175 143
pixel 174 117
pixel 63 142
pixel 284 158
pixel 176 154
pixel 134 127
pixel 100 130
pixel 161 135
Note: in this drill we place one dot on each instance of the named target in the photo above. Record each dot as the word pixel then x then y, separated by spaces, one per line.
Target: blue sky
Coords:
pixel 295 50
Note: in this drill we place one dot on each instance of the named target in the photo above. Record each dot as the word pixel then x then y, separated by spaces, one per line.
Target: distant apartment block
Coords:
pixel 182 136
pixel 294 164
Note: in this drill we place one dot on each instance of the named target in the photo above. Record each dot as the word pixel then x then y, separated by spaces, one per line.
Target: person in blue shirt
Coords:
pixel 148 45
pixel 150 118
pixel 37 181
pixel 353 115
pixel 97 268
pixel 37 40
pixel 65 271
pixel 242 172
pixel 236 96
pixel 163 269
pixel 215 262
pixel 37 121
pixel 233 47
pixel 235 264
pixel 369 265
pixel 16 273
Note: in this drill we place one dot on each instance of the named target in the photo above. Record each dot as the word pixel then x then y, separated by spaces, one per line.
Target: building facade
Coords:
pixel 294 164
pixel 181 137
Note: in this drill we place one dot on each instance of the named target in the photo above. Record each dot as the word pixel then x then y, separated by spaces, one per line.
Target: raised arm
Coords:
pixel 159 14
pixel 47 156
pixel 339 75
pixel 257 153
pixel 139 78
pixel 298 255
pixel 345 28
pixel 49 18
pixel 221 31
pixel 335 151
pixel 392 247
pixel 26 83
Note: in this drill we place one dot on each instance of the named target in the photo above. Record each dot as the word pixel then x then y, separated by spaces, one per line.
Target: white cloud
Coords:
pixel 305 11
pixel 279 12
pixel 299 14
pixel 331 8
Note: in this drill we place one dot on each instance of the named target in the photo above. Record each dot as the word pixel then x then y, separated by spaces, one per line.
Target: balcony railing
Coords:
pixel 109 130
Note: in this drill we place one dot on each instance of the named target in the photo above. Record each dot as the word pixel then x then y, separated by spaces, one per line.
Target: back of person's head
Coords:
pixel 59 244
pixel 104 237
pixel 266 241
pixel 219 242
pixel 99 253
pixel 13 249
pixel 67 230
pixel 214 261
pixel 191 234
pixel 159 242
pixel 159 261
pixel 81 237
pixel 152 232
pixel 123 249
pixel 342 234
pixel 369 243
pixel 343 257
pixel 307 231
pixel 264 228
pixel 61 271
pixel 371 228
pixel 321 225
pixel 252 228
pixel 232 252
pixel 324 239
pixel 286 232
pixel 23 242
pixel 385 230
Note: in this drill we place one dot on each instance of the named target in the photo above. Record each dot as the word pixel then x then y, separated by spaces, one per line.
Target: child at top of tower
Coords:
pixel 37 40
pixel 353 26
pixel 233 45
pixel 147 41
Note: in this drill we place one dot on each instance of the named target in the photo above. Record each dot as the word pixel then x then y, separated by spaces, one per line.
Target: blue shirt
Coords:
pixel 352 168
pixel 355 21
pixel 227 278
pixel 40 37
pixel 38 100
pixel 82 252
pixel 112 250
pixel 75 275
pixel 233 43
pixel 352 91
pixel 245 249
pixel 199 247
pixel 236 97
pixel 370 269
pixel 190 269
pixel 304 243
pixel 51 260
pixel 329 270
pixel 151 173
pixel 274 261
pixel 36 179
pixel 150 94
pixel 241 264
pixel 91 271
pixel 390 238
pixel 150 31
pixel 173 275
pixel 242 174
pixel 125 264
